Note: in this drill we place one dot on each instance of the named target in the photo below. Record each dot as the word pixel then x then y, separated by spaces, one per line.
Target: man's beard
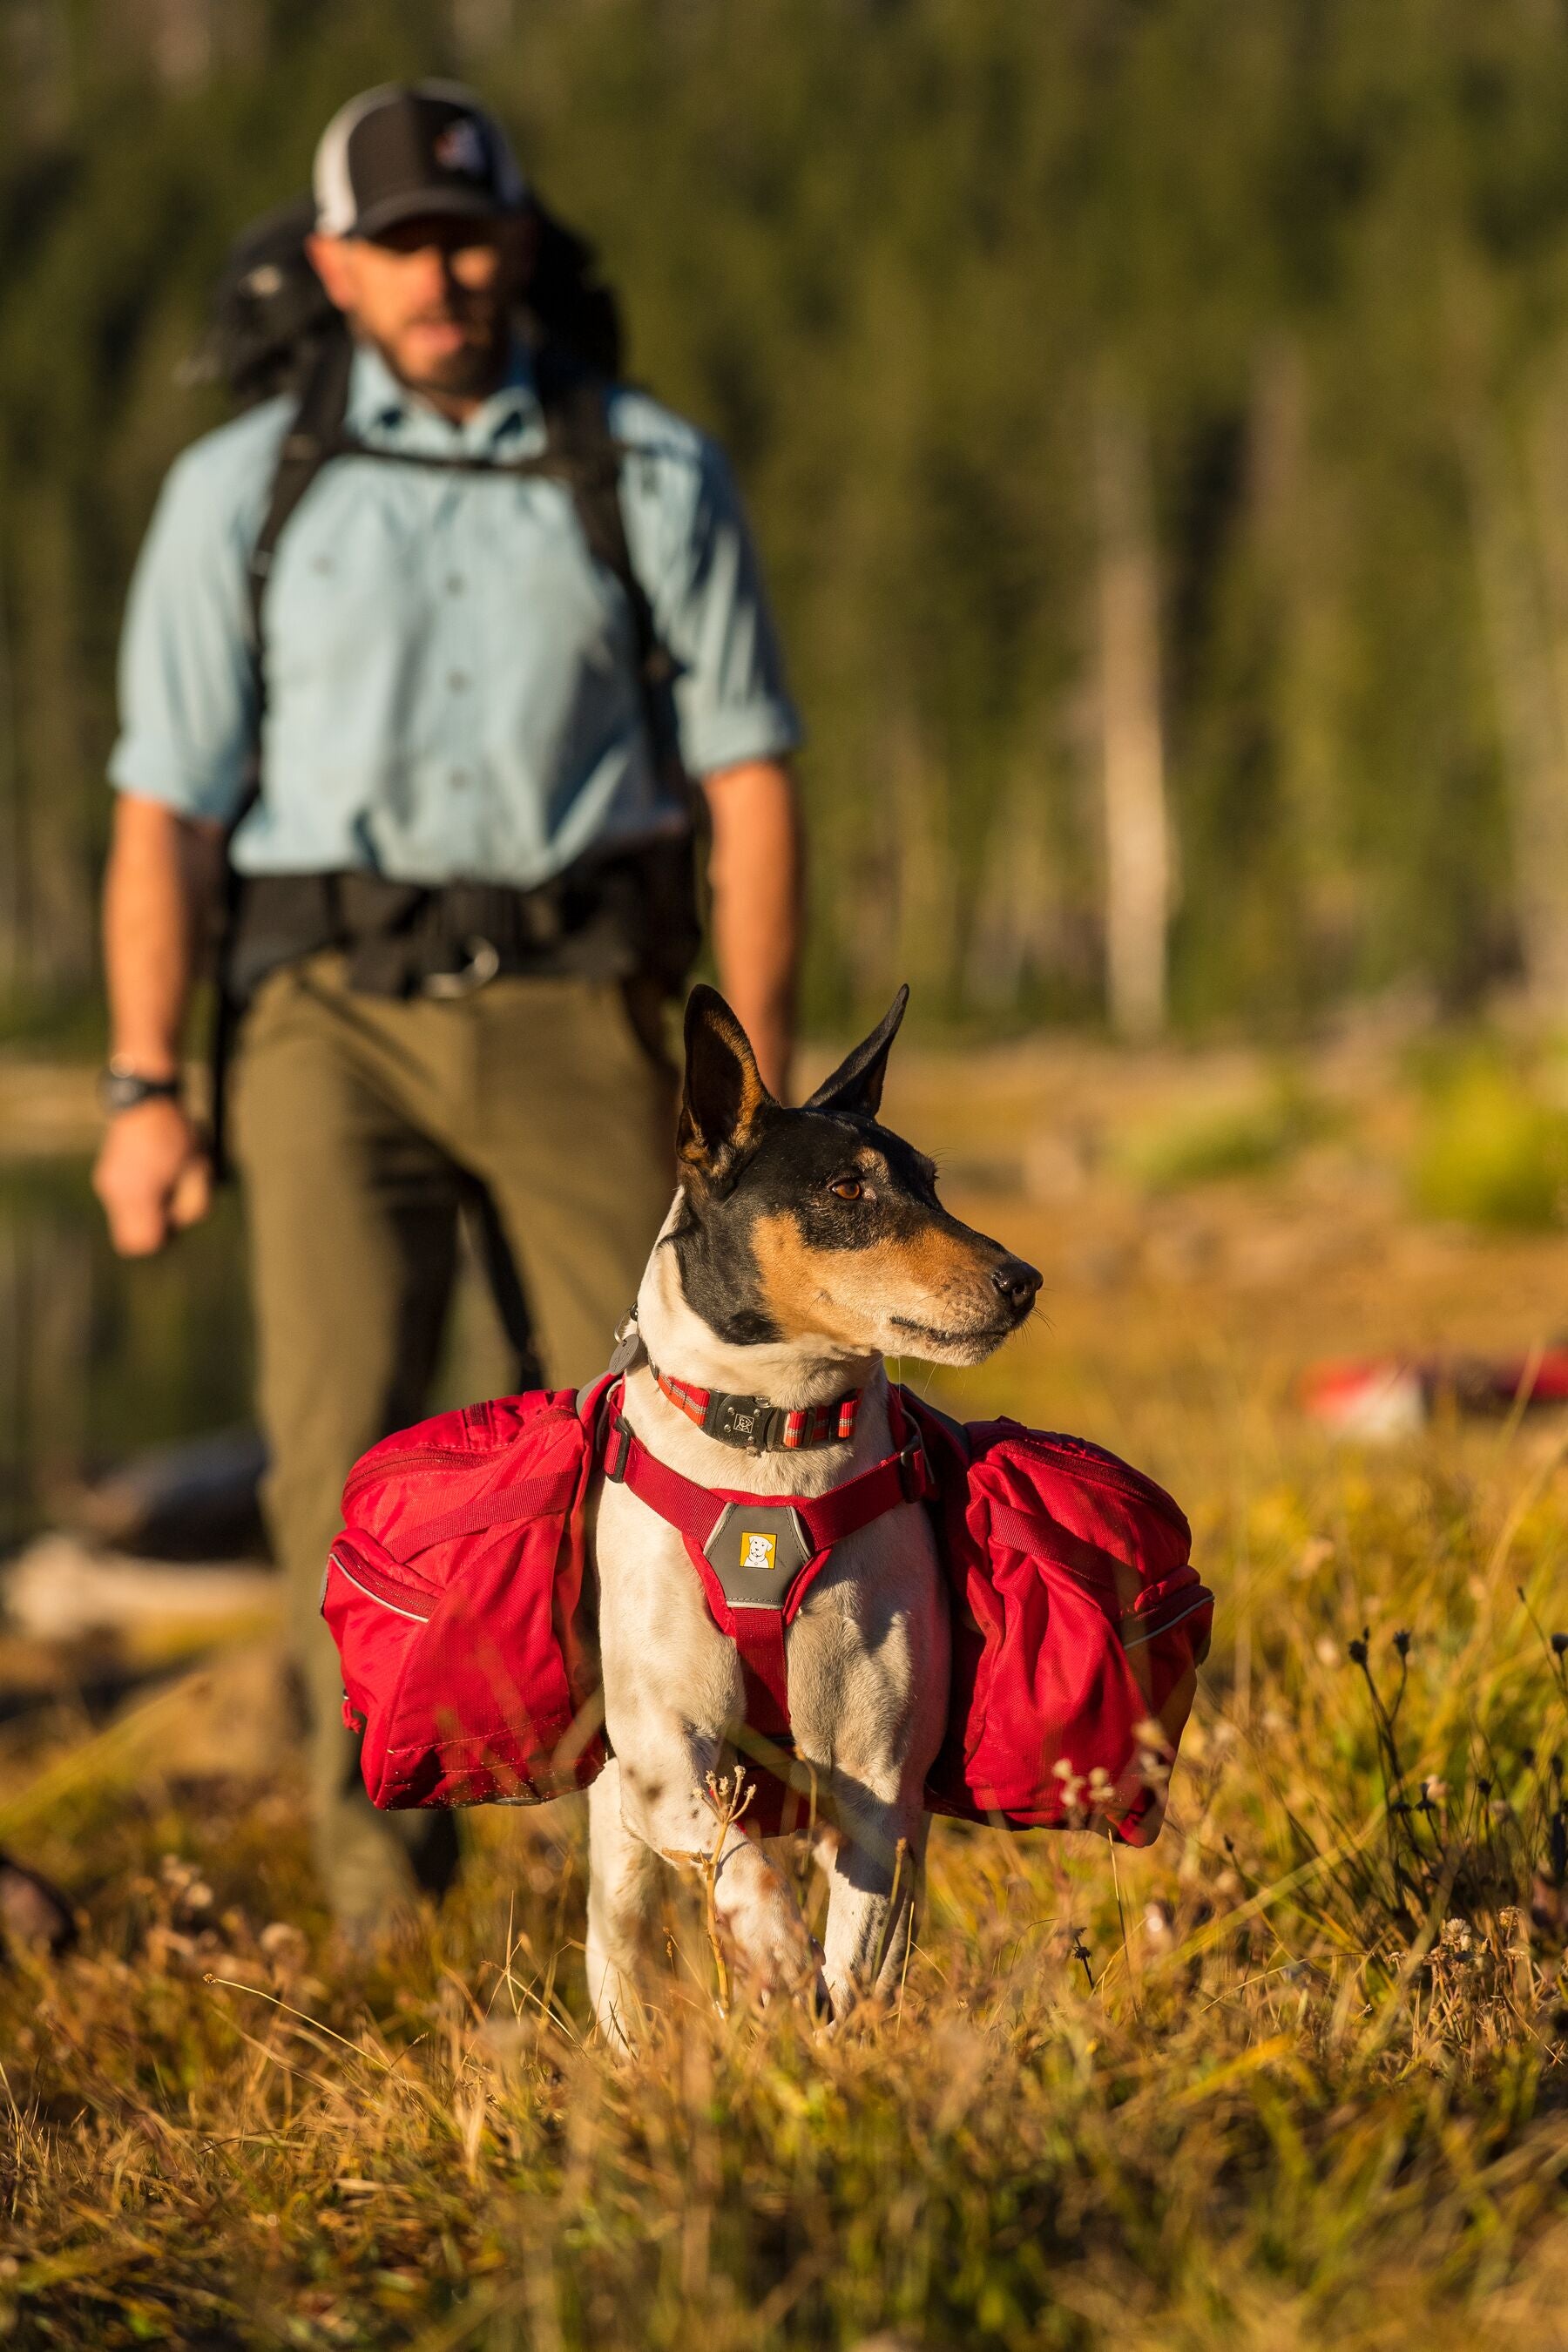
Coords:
pixel 473 369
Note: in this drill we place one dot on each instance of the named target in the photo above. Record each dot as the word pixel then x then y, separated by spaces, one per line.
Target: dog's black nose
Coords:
pixel 1018 1283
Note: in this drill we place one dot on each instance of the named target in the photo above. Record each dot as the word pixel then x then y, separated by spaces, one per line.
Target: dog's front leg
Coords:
pixel 754 1905
pixel 875 1878
pixel 623 1879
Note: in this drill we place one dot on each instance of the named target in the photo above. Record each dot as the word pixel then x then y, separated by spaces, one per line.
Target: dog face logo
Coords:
pixel 757 1551
pixel 460 148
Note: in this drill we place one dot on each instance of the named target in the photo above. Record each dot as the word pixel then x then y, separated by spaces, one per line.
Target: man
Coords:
pixel 447 922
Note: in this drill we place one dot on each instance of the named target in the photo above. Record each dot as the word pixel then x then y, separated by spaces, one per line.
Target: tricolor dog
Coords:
pixel 804 1245
pixel 740 1547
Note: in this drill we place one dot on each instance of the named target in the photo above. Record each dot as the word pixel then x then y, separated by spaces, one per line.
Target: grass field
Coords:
pixel 1295 2078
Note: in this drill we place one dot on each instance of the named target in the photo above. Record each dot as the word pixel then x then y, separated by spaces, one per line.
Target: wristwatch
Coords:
pixel 120 1087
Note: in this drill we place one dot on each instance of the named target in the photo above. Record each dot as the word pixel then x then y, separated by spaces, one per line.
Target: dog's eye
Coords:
pixel 847 1187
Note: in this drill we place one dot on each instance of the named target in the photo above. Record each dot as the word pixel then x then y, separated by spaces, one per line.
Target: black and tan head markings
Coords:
pixel 820 1223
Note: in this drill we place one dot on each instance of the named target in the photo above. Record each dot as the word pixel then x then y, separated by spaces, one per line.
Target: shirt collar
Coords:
pixel 383 409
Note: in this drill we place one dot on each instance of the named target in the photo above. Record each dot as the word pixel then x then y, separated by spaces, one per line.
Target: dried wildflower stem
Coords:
pixel 1122 1923
pixel 730 1797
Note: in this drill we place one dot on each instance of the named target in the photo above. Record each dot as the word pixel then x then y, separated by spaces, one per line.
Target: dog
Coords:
pixel 803 1246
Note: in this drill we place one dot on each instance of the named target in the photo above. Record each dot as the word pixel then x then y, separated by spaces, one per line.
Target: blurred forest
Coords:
pixel 1154 414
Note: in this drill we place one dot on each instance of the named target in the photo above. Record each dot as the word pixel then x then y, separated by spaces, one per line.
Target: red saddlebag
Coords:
pixel 1079 1623
pixel 460 1602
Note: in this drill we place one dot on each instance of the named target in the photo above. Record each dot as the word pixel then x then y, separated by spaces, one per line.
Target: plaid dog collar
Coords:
pixel 757 1425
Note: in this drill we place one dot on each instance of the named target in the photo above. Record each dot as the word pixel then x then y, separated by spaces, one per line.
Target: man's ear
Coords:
pixel 724 1098
pixel 857 1083
pixel 330 259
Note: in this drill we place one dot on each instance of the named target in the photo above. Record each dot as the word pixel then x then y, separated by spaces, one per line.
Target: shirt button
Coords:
pixel 459 778
pixel 456 583
pixel 457 680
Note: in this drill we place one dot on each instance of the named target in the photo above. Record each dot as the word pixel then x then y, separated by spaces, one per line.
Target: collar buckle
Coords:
pixel 748 1421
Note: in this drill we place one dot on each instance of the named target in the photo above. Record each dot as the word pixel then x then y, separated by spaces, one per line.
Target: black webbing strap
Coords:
pixel 308 444
pixel 580 452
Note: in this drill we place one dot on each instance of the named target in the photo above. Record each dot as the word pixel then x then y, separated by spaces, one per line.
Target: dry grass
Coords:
pixel 1295 2078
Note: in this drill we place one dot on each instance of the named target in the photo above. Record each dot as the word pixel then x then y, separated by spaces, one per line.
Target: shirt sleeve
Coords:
pixel 731 699
pixel 187 692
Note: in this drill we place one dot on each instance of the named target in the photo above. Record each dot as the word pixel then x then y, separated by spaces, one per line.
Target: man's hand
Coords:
pixel 152 1176
pixel 756 873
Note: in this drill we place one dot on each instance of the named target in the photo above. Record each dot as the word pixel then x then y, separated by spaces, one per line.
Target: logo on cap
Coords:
pixel 757 1551
pixel 461 148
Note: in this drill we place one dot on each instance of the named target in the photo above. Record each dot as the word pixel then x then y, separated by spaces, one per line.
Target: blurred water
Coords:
pixel 99 1358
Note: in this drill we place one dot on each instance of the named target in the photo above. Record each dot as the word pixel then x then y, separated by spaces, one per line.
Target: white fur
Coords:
pixel 868 1668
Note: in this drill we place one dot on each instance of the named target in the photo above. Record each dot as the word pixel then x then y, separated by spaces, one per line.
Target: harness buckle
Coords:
pixel 617 1454
pixel 484 962
pixel 915 1471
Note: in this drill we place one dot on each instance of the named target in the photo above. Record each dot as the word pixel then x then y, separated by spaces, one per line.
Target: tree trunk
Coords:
pixel 12 838
pixel 1132 750
pixel 1524 569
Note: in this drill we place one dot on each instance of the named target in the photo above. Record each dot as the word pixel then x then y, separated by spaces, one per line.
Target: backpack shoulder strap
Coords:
pixel 584 453
pixel 309 441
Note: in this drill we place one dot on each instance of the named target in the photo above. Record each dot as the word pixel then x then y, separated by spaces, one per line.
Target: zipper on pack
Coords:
pixel 419 1617
pixel 1201 1599
pixel 1122 1478
pixel 413 1457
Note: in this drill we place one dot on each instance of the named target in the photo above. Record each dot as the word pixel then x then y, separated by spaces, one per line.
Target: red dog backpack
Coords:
pixel 461 1603
pixel 1078 1625
pixel 459 1597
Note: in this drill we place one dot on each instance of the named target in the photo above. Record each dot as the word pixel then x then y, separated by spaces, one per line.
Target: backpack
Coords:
pixel 273 331
pixel 270 315
pixel 1078 1625
pixel 459 1597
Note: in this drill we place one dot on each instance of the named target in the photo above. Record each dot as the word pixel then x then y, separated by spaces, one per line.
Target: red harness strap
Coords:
pixel 754 1594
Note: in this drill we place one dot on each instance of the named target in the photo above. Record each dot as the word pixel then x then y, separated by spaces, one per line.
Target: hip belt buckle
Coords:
pixel 484 962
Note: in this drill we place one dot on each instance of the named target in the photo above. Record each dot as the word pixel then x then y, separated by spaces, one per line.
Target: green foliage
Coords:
pixel 1490 1152
pixel 893 253
pixel 1241 1138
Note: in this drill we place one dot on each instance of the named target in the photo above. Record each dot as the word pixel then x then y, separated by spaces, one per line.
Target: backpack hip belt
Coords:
pixel 445 939
pixel 757 1556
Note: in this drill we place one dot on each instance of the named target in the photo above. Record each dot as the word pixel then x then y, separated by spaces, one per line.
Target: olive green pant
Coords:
pixel 364 1127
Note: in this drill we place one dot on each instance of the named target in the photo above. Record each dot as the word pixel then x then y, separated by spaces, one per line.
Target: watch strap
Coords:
pixel 121 1087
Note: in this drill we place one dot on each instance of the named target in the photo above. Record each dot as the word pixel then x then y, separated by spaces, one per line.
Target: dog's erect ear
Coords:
pixel 723 1097
pixel 857 1083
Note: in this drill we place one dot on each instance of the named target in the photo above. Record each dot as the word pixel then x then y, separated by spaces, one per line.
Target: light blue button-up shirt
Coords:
pixel 451 688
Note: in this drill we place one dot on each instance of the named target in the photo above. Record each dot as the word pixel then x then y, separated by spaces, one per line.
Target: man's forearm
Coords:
pixel 153 1175
pixel 162 877
pixel 756 872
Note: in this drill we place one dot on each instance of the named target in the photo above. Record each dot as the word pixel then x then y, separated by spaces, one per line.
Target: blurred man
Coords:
pixel 454 919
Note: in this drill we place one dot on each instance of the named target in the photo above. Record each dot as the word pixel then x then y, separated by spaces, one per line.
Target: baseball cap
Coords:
pixel 406 150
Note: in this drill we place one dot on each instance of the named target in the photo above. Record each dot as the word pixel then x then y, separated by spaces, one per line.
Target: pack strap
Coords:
pixel 713 1524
